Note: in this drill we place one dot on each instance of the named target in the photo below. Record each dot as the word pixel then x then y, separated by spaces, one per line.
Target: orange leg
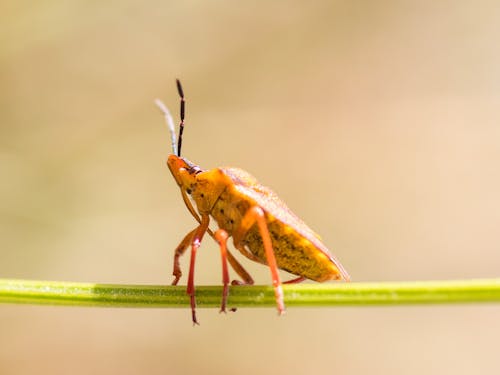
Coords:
pixel 253 215
pixel 221 237
pixel 237 267
pixel 247 279
pixel 195 244
pixel 179 251
pixel 295 281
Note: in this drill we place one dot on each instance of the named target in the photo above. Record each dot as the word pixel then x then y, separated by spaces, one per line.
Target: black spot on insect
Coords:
pixel 189 191
pixel 231 221
pixel 202 195
pixel 221 210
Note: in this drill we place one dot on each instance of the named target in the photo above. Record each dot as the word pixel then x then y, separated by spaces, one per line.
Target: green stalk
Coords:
pixel 304 295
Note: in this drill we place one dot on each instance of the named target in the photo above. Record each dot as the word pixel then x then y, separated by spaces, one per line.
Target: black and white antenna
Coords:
pixel 176 146
pixel 170 123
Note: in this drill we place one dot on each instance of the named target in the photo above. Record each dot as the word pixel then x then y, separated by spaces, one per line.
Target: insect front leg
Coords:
pixel 256 214
pixel 179 251
pixel 195 244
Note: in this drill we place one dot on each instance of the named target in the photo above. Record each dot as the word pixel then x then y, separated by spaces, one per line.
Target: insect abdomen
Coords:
pixel 293 252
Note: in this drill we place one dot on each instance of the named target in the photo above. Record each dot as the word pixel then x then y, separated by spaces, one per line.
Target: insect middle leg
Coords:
pixel 237 267
pixel 256 215
pixel 245 276
pixel 196 238
pixel 221 237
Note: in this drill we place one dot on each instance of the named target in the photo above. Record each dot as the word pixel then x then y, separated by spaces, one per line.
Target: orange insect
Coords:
pixel 262 226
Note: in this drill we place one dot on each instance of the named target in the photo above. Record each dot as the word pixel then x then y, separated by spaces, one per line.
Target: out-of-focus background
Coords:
pixel 377 122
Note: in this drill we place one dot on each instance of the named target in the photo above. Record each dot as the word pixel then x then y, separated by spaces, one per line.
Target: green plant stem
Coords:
pixel 305 295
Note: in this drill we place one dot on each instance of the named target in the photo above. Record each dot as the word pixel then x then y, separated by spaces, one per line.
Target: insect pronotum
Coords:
pixel 262 226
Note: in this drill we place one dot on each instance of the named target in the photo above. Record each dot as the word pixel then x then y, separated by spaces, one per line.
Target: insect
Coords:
pixel 262 227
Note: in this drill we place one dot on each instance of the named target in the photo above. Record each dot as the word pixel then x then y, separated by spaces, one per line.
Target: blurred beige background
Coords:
pixel 377 122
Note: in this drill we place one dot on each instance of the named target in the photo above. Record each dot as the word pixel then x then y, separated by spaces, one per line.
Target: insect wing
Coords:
pixel 269 201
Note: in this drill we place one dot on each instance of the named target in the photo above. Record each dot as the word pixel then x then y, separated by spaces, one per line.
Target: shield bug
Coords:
pixel 262 226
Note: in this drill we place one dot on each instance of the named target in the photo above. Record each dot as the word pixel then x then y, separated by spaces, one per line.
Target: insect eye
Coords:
pixel 194 170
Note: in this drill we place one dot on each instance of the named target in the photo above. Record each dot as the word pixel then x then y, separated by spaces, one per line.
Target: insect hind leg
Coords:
pixel 254 215
pixel 295 281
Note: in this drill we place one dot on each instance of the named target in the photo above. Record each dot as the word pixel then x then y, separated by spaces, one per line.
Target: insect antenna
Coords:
pixel 170 123
pixel 181 126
